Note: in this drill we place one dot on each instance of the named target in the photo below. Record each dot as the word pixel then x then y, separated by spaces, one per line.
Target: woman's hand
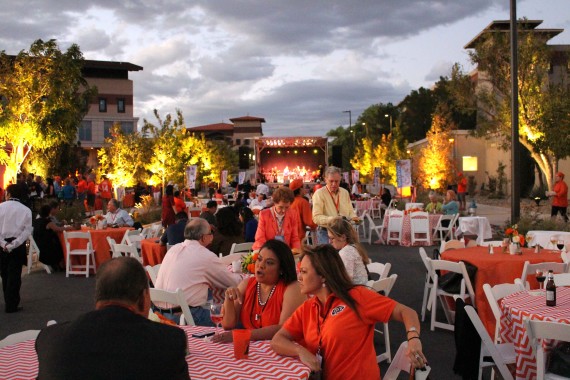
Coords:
pixel 224 337
pixel 309 360
pixel 233 294
pixel 415 353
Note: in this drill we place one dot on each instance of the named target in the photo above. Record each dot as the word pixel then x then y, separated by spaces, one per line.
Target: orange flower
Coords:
pixel 254 257
pixel 521 237
pixel 251 268
pixel 509 231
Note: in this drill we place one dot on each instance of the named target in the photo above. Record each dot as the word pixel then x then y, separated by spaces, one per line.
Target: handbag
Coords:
pixel 422 374
pixel 560 360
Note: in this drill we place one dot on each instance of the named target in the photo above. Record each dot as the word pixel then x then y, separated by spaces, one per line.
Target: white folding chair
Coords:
pixel 428 281
pixel 441 232
pixel 530 270
pixel 501 354
pixel 384 285
pixel 451 244
pixel 152 272
pixel 310 237
pixel 173 298
pixel 133 237
pixel 382 270
pixel 373 227
pixel 419 222
pixel 241 248
pixel 565 257
pixel 34 255
pixel 401 363
pixel 466 290
pixel 562 279
pixel 494 295
pixel 19 337
pixel 120 250
pixel 145 233
pixel 88 253
pixel 537 331
pixel 395 225
pixel 229 259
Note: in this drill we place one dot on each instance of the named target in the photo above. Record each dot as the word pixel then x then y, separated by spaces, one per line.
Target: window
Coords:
pixel 102 105
pixel 127 127
pixel 84 132
pixel 121 105
pixel 107 129
pixel 469 163
pixel 246 142
pixel 238 141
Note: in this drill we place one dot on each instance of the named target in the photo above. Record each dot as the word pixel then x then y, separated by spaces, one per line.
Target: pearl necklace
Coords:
pixel 259 294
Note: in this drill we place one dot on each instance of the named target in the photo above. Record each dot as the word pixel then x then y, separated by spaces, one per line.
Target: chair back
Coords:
pixel 451 266
pixel 494 295
pixel 451 244
pixel 19 337
pixel 241 247
pixel 494 243
pixel 441 231
pixel 34 250
pixel 229 259
pixel 539 330
pixel 565 257
pixel 380 269
pixel 126 250
pixel 401 362
pixel 530 269
pixel 129 233
pixel 395 224
pixel 174 298
pixel 152 272
pixel 384 285
pixel 419 223
pixel 72 235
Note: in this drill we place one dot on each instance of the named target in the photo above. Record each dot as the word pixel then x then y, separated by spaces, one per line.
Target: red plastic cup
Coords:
pixel 241 343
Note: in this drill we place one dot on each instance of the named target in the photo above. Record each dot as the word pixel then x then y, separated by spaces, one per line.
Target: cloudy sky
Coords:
pixel 297 63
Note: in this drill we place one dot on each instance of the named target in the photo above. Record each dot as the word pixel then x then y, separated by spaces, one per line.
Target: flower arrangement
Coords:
pixel 513 234
pixel 248 262
pixel 95 218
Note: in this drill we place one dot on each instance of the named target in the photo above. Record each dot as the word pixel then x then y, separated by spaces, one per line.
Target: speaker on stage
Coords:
pixel 243 153
pixel 337 156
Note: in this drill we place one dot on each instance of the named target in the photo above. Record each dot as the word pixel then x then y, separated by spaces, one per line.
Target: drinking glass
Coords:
pixel 560 244
pixel 540 277
pixel 216 314
pixel 553 240
pixel 529 238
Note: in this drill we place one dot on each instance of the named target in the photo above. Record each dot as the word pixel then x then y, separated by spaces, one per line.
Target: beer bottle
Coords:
pixel 550 290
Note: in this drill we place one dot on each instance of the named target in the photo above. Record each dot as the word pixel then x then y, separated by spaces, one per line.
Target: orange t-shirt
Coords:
pixel 305 214
pixel 180 205
pixel 105 189
pixel 91 188
pixel 81 186
pixel 255 316
pixel 462 185
pixel 561 197
pixel 347 342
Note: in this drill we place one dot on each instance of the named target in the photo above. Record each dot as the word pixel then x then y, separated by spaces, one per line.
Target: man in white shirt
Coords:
pixel 117 216
pixel 329 202
pixel 258 202
pixel 262 188
pixel 193 268
pixel 15 229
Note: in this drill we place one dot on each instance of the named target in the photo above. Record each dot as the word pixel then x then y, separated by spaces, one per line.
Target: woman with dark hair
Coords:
pixel 264 302
pixel 45 235
pixel 279 221
pixel 50 191
pixel 229 231
pixel 337 324
pixel 343 238
pixel 168 207
pixel 249 224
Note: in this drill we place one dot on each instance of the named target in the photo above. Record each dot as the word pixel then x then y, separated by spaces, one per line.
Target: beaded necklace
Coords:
pixel 262 304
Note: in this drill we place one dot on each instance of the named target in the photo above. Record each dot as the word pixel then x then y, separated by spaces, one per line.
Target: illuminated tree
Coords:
pixel 543 131
pixel 44 98
pixel 435 163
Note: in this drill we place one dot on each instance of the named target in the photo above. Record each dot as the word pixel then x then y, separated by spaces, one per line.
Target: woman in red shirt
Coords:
pixel 264 302
pixel 337 324
pixel 168 206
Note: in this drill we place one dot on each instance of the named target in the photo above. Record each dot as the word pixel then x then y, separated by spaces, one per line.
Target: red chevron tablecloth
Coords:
pixel 407 228
pixel 206 361
pixel 515 308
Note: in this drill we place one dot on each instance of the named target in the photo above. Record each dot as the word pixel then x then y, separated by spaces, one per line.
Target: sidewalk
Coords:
pixel 497 215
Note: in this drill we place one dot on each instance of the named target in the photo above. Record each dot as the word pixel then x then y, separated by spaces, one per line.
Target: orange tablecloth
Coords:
pixel 498 268
pixel 152 252
pixel 99 239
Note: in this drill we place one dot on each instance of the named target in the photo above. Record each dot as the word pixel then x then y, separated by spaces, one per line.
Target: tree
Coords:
pixel 416 112
pixel 543 131
pixel 44 98
pixel 435 163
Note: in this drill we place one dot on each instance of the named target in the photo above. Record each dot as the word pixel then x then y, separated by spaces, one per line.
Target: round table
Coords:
pixel 498 268
pixel 530 304
pixel 407 228
pixel 152 252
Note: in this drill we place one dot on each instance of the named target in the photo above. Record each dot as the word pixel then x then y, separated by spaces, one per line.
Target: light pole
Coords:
pixel 366 128
pixel 350 124
pixel 390 116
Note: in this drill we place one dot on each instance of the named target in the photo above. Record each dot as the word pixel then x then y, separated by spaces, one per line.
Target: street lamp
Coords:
pixel 390 116
pixel 350 124
pixel 366 128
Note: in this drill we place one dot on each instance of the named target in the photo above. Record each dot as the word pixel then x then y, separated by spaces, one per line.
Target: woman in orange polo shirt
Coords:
pixel 337 324
pixel 264 302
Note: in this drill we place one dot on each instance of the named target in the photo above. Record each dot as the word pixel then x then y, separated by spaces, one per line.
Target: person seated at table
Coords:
pixel 434 205
pixel 385 198
pixel 262 303
pixel 210 213
pixel 343 238
pixel 179 204
pixel 450 205
pixel 229 231
pixel 46 238
pixel 337 323
pixel 116 216
pixel 193 268
pixel 279 222
pixel 116 340
pixel 249 224
pixel 174 234
pixel 356 190
pixel 259 201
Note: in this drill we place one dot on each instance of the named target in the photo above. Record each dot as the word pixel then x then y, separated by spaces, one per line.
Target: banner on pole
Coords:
pixel 345 176
pixel 224 178
pixel 241 178
pixel 191 176
pixel 376 179
pixel 404 173
pixel 355 176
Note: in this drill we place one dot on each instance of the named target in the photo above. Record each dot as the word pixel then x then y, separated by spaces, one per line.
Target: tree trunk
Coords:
pixel 545 163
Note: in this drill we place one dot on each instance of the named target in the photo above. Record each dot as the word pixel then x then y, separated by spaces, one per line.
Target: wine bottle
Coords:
pixel 550 290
